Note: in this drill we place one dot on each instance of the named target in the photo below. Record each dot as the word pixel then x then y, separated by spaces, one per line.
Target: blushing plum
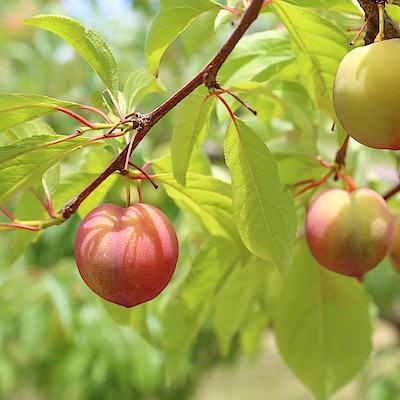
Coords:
pixel 349 232
pixel 126 255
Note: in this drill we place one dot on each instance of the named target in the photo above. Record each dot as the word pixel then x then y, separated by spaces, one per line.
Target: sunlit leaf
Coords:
pixel 87 43
pixel 319 45
pixel 139 84
pixel 185 315
pixel 190 132
pixel 27 129
pixel 16 108
pixel 322 324
pixel 23 162
pixel 173 17
pixel 92 163
pixel 262 53
pixel 264 213
pixel 207 198
pixel 237 299
pixel 28 208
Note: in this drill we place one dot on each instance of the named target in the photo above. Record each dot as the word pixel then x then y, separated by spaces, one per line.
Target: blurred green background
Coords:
pixel 60 341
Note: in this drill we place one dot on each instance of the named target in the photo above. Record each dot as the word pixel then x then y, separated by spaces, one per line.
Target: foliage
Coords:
pixel 228 179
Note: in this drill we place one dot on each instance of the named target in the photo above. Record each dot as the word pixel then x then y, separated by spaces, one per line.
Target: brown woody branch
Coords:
pixel 144 123
pixel 372 28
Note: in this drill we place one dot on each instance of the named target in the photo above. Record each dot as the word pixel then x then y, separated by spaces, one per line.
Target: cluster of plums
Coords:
pixel 126 255
pixel 351 232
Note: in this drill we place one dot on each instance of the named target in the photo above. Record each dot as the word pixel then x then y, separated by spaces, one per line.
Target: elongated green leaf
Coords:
pixel 87 43
pixel 261 53
pixel 189 134
pixel 322 325
pixel 296 103
pixel 205 197
pixel 16 109
pixel 27 129
pixel 236 300
pixel 139 84
pixel 319 44
pixel 185 315
pixel 23 162
pixel 337 5
pixel 173 18
pixel 28 208
pixel 264 213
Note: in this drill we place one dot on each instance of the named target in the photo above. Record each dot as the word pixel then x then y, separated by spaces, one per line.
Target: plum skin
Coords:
pixel 366 94
pixel 394 253
pixel 349 232
pixel 126 255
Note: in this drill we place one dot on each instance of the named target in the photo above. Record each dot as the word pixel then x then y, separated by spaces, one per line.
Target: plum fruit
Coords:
pixel 366 94
pixel 349 232
pixel 126 255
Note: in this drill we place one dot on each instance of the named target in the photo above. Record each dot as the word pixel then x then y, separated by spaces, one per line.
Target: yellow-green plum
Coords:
pixel 366 94
pixel 349 232
pixel 126 255
pixel 394 253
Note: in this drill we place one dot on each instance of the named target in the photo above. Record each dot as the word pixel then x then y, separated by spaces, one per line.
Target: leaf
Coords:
pixel 258 53
pixel 87 43
pixel 16 108
pixel 172 19
pixel 322 324
pixel 190 132
pixel 186 313
pixel 264 213
pixel 298 107
pixel 27 129
pixel 28 208
pixel 345 6
pixel 23 162
pixel 92 162
pixel 205 197
pixel 319 45
pixel 139 84
pixel 236 300
pixel 51 178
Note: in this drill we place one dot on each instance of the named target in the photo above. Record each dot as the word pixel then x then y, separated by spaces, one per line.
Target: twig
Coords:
pixel 206 76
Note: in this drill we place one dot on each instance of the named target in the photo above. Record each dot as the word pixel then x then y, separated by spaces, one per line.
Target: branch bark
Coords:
pixel 371 15
pixel 206 76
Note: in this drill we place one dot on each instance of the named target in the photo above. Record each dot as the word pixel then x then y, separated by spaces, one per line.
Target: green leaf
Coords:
pixel 87 43
pixel 139 84
pixel 172 19
pixel 16 108
pixel 186 313
pixel 265 214
pixel 294 100
pixel 205 197
pixel 322 324
pixel 190 132
pixel 259 53
pixel 24 162
pixel 319 45
pixel 51 178
pixel 27 129
pixel 345 6
pixel 236 300
pixel 28 208
pixel 93 161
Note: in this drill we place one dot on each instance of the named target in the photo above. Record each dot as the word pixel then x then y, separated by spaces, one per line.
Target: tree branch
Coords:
pixel 206 76
pixel 371 15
